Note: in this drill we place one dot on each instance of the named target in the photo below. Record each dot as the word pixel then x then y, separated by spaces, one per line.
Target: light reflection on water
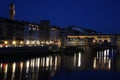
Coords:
pixel 29 69
pixel 47 66
pixel 38 68
pixel 104 59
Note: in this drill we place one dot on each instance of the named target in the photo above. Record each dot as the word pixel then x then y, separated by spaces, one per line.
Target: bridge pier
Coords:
pixel 87 57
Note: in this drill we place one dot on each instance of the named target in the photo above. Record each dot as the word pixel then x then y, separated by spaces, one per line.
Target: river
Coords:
pixel 59 67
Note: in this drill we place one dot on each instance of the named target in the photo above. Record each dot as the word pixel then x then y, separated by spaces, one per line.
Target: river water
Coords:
pixel 59 67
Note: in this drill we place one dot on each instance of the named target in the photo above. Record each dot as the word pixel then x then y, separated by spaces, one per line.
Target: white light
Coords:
pixel 47 61
pixel 107 52
pixel 27 66
pixel 94 65
pixel 105 59
pixel 14 66
pixel 27 42
pixel 13 70
pixel 55 62
pixel 38 42
pixel 79 59
pixel 109 64
pixel 1 65
pixel 32 62
pixel 38 62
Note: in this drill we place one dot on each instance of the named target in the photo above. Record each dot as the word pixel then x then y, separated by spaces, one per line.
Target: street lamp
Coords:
pixel 14 42
pixel 6 42
pixel 21 42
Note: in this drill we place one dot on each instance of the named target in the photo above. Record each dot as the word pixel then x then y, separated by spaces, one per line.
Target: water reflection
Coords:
pixel 104 59
pixel 39 68
pixel 30 69
pixel 44 67
pixel 71 62
pixel 79 59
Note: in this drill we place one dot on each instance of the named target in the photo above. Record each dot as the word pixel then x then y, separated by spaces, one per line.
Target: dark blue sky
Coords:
pixel 100 15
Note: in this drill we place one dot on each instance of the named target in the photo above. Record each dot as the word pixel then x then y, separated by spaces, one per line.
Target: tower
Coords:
pixel 12 11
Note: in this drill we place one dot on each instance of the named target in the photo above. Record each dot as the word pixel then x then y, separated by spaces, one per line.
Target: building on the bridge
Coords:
pixel 11 32
pixel 65 32
pixel 77 40
pixel 74 31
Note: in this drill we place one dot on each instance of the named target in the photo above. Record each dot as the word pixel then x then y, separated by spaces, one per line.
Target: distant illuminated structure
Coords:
pixel 12 11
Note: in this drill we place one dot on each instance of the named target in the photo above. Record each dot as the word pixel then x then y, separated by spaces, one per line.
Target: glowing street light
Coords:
pixel 21 42
pixel 14 42
pixel 6 42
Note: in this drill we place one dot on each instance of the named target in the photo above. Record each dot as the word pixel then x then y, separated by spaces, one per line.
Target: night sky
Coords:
pixel 100 15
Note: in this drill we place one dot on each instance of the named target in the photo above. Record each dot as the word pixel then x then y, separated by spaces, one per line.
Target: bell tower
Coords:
pixel 12 11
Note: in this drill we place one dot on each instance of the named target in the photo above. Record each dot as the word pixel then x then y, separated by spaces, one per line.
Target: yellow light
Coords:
pixel 47 43
pixel 14 66
pixel 51 42
pixel 6 42
pixel 21 42
pixel 14 42
pixel 42 42
pixel 21 66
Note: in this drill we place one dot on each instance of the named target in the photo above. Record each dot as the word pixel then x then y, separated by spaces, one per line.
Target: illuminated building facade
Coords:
pixel 31 34
pixel 91 39
pixel 55 36
pixel 11 32
pixel 44 32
